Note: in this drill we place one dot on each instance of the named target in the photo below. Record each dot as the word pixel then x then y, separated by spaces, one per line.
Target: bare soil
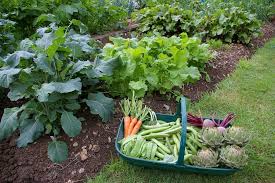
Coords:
pixel 96 141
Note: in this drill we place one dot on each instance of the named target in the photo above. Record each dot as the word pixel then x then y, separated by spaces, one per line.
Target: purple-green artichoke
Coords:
pixel 206 158
pixel 236 136
pixel 233 156
pixel 212 137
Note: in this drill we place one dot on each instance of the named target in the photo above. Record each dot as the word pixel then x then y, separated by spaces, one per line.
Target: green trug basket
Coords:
pixel 179 165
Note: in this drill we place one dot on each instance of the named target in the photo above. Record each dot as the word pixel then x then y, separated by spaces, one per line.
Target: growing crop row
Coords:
pixel 48 59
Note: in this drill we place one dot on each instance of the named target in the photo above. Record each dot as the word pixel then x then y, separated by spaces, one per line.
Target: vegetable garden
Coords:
pixel 64 92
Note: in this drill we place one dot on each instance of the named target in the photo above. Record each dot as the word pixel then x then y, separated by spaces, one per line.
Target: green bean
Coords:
pixel 179 136
pixel 192 148
pixel 155 135
pixel 168 144
pixel 153 130
pixel 158 154
pixel 175 151
pixel 195 141
pixel 187 156
pixel 176 141
pixel 154 150
pixel 171 131
pixel 161 146
pixel 161 150
pixel 157 126
pixel 149 150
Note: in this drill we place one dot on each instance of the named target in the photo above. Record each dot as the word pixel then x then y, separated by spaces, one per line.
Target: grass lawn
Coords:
pixel 250 93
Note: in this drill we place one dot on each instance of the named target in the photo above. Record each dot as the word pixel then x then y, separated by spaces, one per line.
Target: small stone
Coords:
pixel 167 107
pixel 71 139
pixel 109 139
pixel 96 148
pixel 95 133
pixel 83 155
pixel 73 172
pixel 69 181
pixel 81 170
pixel 84 147
pixel 84 131
pixel 90 146
pixel 75 144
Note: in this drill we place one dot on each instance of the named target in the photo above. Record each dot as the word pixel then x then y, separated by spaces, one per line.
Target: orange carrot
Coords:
pixel 132 125
pixel 127 121
pixel 136 128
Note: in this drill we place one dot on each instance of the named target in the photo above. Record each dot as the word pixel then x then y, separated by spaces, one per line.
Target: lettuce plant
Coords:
pixel 154 63
pixel 54 72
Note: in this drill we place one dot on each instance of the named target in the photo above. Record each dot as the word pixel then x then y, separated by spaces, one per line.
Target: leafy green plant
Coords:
pixel 231 25
pixel 166 20
pixel 154 63
pixel 7 37
pixel 98 16
pixel 264 9
pixel 225 22
pixel 54 73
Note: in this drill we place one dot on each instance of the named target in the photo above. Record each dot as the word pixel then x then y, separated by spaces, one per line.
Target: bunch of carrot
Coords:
pixel 134 114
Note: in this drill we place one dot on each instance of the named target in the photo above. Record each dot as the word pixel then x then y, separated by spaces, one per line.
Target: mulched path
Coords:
pixel 96 141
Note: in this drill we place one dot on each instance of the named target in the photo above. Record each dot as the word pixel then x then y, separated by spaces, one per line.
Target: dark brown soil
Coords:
pixel 31 165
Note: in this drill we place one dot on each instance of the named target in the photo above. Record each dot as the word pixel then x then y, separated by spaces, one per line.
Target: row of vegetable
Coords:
pixel 58 66
pixel 209 142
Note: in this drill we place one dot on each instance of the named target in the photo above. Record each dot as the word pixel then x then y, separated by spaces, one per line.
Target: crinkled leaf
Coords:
pixel 30 130
pixel 59 87
pixel 45 18
pixel 6 76
pixel 103 68
pixel 79 65
pixel 17 91
pixel 46 40
pixel 99 104
pixel 57 151
pixel 43 63
pixel 14 59
pixel 82 27
pixel 70 124
pixel 9 122
pixel 26 44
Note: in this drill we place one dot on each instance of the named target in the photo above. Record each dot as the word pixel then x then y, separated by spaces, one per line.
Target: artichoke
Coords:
pixel 212 137
pixel 206 158
pixel 236 136
pixel 233 156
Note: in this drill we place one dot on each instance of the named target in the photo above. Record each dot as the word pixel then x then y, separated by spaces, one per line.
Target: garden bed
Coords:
pixel 31 164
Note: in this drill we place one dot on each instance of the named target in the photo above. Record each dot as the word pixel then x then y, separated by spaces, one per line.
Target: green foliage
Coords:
pixel 155 63
pixel 166 20
pixel 230 25
pixel 215 44
pixel 264 9
pixel 53 72
pixel 225 22
pixel 97 15
pixel 7 37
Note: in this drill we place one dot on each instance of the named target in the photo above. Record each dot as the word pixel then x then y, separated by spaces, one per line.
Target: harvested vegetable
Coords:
pixel 236 136
pixel 206 158
pixel 212 137
pixel 126 109
pixel 233 156
pixel 199 122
